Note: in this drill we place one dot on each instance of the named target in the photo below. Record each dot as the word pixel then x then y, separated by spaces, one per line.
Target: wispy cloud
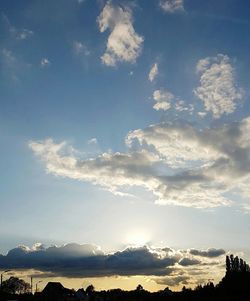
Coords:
pixel 153 72
pixel 172 6
pixel 12 66
pixel 124 44
pixel 80 49
pixel 17 33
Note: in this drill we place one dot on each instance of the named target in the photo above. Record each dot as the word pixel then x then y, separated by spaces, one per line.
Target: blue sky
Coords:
pixel 125 123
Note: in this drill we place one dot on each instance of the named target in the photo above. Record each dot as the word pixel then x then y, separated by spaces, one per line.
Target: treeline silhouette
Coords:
pixel 235 286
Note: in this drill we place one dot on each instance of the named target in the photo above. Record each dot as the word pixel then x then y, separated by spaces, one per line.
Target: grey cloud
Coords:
pixel 210 161
pixel 178 163
pixel 189 261
pixel 173 280
pixel 73 260
pixel 211 253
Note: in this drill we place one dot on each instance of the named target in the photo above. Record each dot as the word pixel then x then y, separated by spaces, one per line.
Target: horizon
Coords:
pixel 125 145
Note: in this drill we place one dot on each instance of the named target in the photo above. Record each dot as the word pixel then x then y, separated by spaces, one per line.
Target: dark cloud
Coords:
pixel 73 260
pixel 208 253
pixel 87 260
pixel 188 261
pixel 174 280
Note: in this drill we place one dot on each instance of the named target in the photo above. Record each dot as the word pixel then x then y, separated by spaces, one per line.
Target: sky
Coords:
pixel 125 147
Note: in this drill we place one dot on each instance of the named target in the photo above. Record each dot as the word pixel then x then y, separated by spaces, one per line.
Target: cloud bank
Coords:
pixel 74 260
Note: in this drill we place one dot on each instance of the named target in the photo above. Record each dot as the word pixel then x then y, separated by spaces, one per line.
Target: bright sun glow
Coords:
pixel 138 237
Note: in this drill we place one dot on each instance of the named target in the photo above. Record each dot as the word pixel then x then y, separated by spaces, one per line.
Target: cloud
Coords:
pixel 209 163
pixel 45 62
pixel 211 253
pixel 218 90
pixel 163 100
pixel 109 170
pixel 124 44
pixel 180 164
pixel 12 66
pixel 173 280
pixel 75 260
pixel 172 6
pixel 80 49
pixel 16 33
pixel 92 141
pixel 188 261
pixel 153 72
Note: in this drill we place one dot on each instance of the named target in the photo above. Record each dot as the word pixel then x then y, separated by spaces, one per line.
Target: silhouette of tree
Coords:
pixel 90 289
pixel 139 287
pixel 228 264
pixel 14 285
pixel 236 264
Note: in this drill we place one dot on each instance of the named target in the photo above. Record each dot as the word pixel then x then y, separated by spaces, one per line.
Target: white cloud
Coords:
pixel 124 44
pixel 45 62
pixel 218 90
pixel 92 141
pixel 24 34
pixel 80 48
pixel 163 99
pixel 178 163
pixel 180 106
pixel 202 114
pixel 153 72
pixel 171 6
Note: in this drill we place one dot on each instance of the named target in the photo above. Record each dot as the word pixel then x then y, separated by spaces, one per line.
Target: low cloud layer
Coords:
pixel 74 260
pixel 123 44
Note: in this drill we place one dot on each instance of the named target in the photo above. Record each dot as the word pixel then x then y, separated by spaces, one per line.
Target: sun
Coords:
pixel 138 237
